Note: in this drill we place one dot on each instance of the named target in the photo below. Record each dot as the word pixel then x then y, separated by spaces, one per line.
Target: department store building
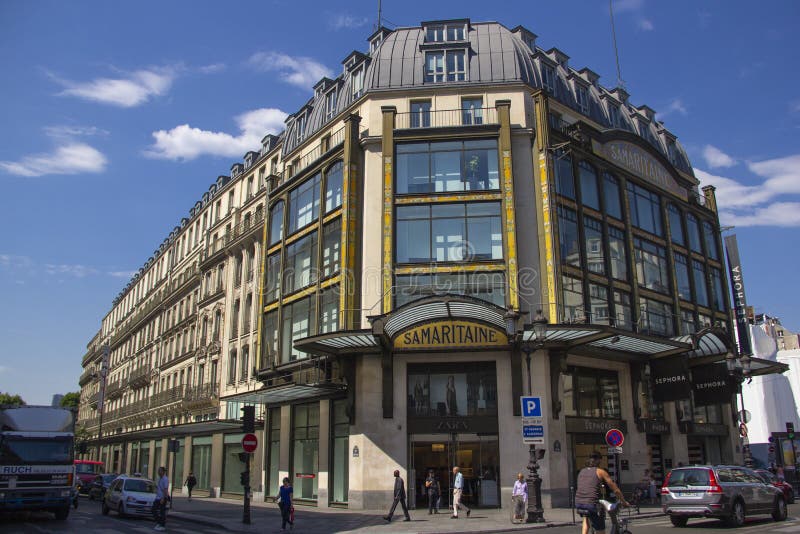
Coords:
pixel 458 219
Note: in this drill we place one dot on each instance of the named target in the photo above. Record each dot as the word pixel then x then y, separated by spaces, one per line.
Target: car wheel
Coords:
pixel 121 510
pixel 104 509
pixel 62 513
pixel 779 513
pixel 678 521
pixel 736 519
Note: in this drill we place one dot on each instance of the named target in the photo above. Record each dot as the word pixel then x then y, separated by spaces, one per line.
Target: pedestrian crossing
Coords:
pixel 790 526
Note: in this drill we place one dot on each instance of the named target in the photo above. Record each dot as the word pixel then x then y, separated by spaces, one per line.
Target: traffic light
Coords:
pixel 790 430
pixel 245 478
pixel 248 419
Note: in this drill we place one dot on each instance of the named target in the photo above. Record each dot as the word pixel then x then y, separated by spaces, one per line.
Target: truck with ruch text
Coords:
pixel 36 459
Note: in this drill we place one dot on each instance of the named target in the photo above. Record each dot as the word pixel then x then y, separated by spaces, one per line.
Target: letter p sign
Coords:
pixel 531 406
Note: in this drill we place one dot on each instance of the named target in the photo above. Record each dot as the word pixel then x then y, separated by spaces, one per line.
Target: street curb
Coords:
pixel 183 516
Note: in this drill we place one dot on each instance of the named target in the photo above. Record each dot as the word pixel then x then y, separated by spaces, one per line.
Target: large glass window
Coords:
pixel 301 264
pixel 329 311
pixel 651 265
pixel 449 233
pixel 304 203
pixel 592 393
pixel 273 451
pixel 201 461
pixel 623 316
pixel 598 304
pixel 573 300
pixel 700 286
pixel 456 66
pixel 485 286
pixel 434 66
pixel 682 277
pixel 611 196
pixel 693 228
pixel 590 196
pixel 617 254
pixel 271 336
pixel 333 187
pixel 565 180
pixel 676 225
pixel 276 223
pixel 657 317
pixel 595 251
pixel 688 325
pixel 305 450
pixel 443 390
pixel 717 289
pixel 331 242
pixel 340 425
pixel 645 209
pixel 231 465
pixel 569 242
pixel 710 237
pixel 439 167
pixel 298 320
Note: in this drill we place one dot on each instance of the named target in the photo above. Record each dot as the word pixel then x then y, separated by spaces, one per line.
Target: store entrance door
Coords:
pixel 478 460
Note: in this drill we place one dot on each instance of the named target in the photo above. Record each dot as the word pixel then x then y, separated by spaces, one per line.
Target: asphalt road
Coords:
pixel 88 519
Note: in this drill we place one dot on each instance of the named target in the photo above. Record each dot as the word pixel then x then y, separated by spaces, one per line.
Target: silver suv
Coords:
pixel 728 492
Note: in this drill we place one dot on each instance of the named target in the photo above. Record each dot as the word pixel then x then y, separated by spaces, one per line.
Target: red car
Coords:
pixel 785 487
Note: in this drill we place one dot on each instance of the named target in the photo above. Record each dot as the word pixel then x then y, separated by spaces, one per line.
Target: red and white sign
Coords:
pixel 249 443
pixel 615 438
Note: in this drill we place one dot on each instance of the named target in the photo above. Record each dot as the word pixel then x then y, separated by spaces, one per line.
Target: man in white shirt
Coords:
pixel 519 496
pixel 162 495
pixel 458 487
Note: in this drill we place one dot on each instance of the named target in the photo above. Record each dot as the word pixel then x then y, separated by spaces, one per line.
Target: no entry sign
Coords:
pixel 249 443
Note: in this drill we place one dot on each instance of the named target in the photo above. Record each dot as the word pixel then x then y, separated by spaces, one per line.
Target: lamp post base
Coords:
pixel 534 483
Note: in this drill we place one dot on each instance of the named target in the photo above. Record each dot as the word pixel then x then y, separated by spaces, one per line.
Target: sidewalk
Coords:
pixel 226 515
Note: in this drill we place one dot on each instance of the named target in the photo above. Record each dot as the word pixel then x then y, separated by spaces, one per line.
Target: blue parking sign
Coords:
pixel 531 406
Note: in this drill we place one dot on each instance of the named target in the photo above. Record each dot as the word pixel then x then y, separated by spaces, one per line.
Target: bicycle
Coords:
pixel 619 525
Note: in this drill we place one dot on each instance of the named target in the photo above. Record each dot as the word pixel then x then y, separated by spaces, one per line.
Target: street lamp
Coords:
pixel 534 481
pixel 739 370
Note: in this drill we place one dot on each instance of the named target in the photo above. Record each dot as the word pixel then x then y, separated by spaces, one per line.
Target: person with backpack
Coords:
pixel 191 482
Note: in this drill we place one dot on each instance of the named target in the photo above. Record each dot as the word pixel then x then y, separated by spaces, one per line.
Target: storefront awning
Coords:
pixel 288 393
pixel 759 367
pixel 345 342
pixel 188 429
pixel 440 308
pixel 705 343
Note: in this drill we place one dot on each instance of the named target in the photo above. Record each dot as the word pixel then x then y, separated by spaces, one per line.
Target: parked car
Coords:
pixel 785 487
pixel 98 487
pixel 130 496
pixel 727 492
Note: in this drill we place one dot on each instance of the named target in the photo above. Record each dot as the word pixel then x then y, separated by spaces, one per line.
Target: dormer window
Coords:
pixel 440 33
pixel 330 103
pixel 375 43
pixel 358 82
pixel 300 128
pixel 549 78
pixel 455 33
pixel 443 66
pixel 613 116
pixel 582 98
pixel 434 34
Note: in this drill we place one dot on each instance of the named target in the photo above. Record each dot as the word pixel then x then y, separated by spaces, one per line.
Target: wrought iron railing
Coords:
pixel 446 117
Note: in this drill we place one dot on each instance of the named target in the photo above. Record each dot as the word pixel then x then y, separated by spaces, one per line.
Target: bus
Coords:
pixel 86 470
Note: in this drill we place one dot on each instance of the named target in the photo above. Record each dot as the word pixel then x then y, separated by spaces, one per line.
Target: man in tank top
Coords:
pixel 587 494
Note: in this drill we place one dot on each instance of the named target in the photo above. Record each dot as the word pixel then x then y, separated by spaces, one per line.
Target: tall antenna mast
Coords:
pixel 620 82
pixel 379 16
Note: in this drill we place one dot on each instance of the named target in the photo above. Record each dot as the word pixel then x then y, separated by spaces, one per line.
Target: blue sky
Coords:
pixel 117 117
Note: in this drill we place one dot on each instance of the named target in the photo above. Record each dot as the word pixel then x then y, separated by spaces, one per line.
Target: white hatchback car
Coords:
pixel 130 496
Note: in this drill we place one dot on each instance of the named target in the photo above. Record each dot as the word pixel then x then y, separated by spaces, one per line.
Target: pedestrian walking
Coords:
pixel 191 482
pixel 162 495
pixel 519 497
pixel 399 497
pixel 458 489
pixel 652 493
pixel 432 488
pixel 284 499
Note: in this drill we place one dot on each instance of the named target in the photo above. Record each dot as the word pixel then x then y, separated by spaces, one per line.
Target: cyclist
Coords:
pixel 587 495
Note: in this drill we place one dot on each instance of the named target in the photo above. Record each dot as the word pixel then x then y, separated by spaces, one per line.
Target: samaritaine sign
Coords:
pixel 639 162
pixel 450 334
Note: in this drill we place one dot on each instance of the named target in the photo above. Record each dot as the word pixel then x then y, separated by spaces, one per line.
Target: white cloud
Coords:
pixel 213 68
pixel 345 21
pixel 133 89
pixel 300 71
pixel 717 158
pixel 73 131
pixel 121 274
pixel 646 25
pixel 772 201
pixel 77 270
pixel 14 261
pixel 628 5
pixel 69 158
pixel 185 142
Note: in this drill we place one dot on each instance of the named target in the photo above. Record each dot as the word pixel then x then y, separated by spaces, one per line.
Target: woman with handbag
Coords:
pixel 285 504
